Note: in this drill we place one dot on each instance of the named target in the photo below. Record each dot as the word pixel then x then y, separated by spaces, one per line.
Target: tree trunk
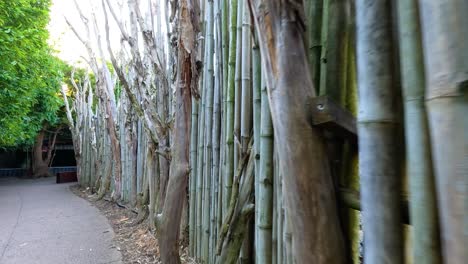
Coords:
pixel 187 81
pixel 309 191
pixel 108 94
pixel 40 167
pixel 41 163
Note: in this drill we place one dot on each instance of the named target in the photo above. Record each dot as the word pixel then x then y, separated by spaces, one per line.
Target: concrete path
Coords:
pixel 45 223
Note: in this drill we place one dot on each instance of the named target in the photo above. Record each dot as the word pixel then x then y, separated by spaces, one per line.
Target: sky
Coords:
pixel 62 38
pixel 68 46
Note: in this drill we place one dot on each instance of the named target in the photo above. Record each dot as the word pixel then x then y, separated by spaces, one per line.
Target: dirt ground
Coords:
pixel 137 243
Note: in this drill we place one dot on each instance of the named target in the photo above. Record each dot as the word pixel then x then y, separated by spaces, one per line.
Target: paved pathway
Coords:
pixel 45 223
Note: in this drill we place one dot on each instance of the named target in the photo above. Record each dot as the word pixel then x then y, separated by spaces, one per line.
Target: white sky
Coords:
pixel 62 38
pixel 68 46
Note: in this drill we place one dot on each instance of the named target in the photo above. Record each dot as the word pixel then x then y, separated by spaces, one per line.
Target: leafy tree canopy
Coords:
pixel 30 76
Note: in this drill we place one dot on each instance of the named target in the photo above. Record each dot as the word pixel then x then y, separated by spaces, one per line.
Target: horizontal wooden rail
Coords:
pixel 351 199
pixel 330 116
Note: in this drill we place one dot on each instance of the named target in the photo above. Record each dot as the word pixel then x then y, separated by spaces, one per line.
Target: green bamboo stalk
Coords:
pixel 201 142
pixel 201 150
pixel 246 107
pixel 335 88
pixel 222 31
pixel 350 166
pixel 193 179
pixel 225 44
pixel 236 225
pixel 279 192
pixel 256 83
pixel 274 235
pixel 222 138
pixel 324 48
pixel 216 130
pixel 377 127
pixel 314 27
pixel 423 207
pixel 444 31
pixel 238 86
pixel 264 199
pixel 336 51
pixel 287 237
pixel 246 85
pixel 274 176
pixel 208 159
pixel 229 155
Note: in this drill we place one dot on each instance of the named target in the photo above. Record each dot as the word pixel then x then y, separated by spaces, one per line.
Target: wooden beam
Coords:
pixel 351 199
pixel 330 116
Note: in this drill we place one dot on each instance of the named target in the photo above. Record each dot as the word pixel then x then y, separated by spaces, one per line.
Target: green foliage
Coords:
pixel 30 76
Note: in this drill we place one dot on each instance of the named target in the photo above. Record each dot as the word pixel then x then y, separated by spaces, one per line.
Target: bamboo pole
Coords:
pixel 220 38
pixel 208 158
pixel 280 210
pixel 224 35
pixel 274 175
pixel 445 45
pixel 235 225
pixel 340 151
pixel 264 199
pixel 314 18
pixel 193 179
pixel 336 51
pixel 223 32
pixel 201 145
pixel 216 130
pixel 350 171
pixel 321 89
pixel 377 126
pixel 246 85
pixel 238 86
pixel 229 167
pixel 246 107
pixel 256 87
pixel 287 237
pixel 423 207
pixel 200 160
